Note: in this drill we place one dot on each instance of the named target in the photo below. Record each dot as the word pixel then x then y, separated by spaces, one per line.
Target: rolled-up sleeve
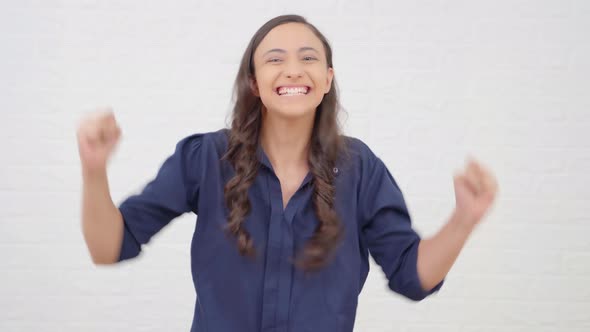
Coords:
pixel 171 193
pixel 388 233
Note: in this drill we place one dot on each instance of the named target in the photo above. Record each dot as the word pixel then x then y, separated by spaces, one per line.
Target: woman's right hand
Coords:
pixel 98 135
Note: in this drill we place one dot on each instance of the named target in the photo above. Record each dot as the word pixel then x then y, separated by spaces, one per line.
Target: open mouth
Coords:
pixel 293 90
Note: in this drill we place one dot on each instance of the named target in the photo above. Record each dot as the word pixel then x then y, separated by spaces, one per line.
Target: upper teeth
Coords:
pixel 294 90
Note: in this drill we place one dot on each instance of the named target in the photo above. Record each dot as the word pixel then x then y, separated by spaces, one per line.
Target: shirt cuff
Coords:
pixel 413 288
pixel 130 248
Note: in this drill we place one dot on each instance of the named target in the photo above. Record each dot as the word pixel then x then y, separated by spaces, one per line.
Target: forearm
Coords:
pixel 437 254
pixel 102 223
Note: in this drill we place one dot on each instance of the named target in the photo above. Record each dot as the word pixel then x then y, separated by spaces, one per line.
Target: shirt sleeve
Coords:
pixel 387 231
pixel 169 194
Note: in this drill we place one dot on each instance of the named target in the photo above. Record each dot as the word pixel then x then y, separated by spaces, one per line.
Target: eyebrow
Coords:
pixel 302 49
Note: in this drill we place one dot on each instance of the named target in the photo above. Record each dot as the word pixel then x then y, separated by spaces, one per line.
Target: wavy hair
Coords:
pixel 326 146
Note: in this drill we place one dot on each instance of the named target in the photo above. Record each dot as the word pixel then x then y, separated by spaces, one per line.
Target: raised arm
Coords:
pixel 113 233
pixel 102 223
pixel 475 192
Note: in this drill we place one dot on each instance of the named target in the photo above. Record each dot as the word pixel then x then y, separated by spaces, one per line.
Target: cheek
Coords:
pixel 265 81
pixel 267 95
pixel 320 85
pixel 266 91
pixel 320 77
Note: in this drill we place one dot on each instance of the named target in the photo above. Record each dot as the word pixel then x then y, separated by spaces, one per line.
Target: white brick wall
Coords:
pixel 425 84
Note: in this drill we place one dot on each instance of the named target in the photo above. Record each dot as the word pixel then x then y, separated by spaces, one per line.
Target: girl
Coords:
pixel 288 208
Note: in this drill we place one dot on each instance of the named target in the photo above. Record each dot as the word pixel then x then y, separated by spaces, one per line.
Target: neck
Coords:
pixel 286 141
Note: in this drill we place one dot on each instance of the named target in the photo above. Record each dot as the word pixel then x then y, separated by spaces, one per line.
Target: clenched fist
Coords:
pixel 475 192
pixel 98 134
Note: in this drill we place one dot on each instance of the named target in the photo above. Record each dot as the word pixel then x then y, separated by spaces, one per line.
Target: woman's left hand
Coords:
pixel 475 191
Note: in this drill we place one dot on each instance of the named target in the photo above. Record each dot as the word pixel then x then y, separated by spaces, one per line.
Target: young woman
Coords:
pixel 288 208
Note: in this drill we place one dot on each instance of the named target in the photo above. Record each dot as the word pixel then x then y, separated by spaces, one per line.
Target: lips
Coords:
pixel 293 90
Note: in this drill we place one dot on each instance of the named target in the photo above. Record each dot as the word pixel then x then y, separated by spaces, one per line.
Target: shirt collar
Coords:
pixel 263 158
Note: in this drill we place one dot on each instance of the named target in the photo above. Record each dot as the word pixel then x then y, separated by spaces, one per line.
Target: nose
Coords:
pixel 293 69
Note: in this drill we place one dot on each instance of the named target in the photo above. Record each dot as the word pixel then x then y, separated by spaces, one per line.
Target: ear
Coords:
pixel 329 80
pixel 254 87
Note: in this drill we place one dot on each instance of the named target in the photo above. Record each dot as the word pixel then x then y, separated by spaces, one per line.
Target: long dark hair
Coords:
pixel 326 146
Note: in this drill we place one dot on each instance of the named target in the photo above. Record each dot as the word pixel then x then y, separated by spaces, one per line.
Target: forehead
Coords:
pixel 290 37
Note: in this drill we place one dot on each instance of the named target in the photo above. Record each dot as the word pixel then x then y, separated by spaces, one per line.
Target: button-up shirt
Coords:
pixel 268 293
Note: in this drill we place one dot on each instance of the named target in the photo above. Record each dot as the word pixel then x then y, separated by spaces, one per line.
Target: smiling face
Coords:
pixel 291 72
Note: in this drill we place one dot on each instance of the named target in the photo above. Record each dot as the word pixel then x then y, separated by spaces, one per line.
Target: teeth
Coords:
pixel 292 91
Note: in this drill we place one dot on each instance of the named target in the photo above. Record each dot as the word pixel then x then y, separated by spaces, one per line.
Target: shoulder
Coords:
pixel 358 147
pixel 359 154
pixel 201 149
pixel 203 142
pixel 366 166
pixel 198 152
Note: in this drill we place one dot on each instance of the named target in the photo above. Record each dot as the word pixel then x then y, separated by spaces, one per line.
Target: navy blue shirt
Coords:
pixel 236 293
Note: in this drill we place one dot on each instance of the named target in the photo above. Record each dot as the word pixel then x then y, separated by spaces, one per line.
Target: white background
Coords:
pixel 425 84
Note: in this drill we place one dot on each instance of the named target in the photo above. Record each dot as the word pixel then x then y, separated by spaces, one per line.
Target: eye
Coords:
pixel 274 60
pixel 307 58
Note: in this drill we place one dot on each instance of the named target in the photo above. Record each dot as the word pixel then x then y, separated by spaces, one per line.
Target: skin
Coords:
pixel 290 54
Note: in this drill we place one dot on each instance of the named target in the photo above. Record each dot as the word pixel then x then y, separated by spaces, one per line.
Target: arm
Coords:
pixel 388 233
pixel 113 233
pixel 475 192
pixel 437 254
pixel 102 223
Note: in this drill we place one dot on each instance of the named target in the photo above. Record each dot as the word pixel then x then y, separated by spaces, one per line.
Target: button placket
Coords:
pixel 273 257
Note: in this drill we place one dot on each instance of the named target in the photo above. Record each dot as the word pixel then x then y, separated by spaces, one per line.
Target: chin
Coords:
pixel 293 112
